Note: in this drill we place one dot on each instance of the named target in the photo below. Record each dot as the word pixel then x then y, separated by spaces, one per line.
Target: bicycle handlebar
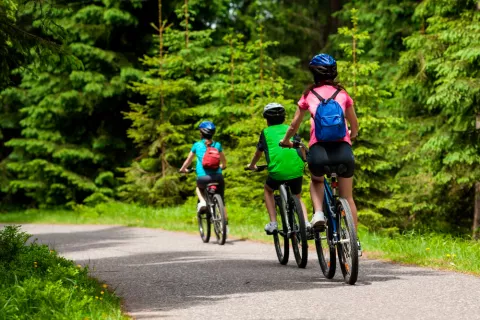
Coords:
pixel 189 170
pixel 258 169
pixel 297 144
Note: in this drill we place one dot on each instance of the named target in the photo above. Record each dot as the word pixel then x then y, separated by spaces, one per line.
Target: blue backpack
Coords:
pixel 329 119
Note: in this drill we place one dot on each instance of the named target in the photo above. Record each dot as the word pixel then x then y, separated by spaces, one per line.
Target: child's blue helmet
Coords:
pixel 207 128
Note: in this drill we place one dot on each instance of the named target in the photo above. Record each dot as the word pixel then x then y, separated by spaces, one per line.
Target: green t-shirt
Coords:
pixel 283 163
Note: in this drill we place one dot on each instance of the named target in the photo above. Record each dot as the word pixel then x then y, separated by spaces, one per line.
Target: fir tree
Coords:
pixel 161 127
pixel 72 126
pixel 440 89
pixel 373 146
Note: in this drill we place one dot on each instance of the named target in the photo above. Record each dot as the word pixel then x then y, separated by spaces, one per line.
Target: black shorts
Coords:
pixel 216 177
pixel 331 154
pixel 294 184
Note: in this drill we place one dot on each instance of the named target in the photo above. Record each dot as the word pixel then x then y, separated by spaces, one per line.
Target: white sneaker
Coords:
pixel 201 206
pixel 318 220
pixel 271 227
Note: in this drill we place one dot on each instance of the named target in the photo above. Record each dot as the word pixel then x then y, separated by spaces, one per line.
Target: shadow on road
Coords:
pixel 169 278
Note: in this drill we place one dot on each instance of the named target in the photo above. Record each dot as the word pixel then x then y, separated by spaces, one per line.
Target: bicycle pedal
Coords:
pixel 320 228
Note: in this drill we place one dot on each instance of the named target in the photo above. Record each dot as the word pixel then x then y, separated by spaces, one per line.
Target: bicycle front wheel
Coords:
pixel 347 248
pixel 280 238
pixel 219 220
pixel 204 225
pixel 299 233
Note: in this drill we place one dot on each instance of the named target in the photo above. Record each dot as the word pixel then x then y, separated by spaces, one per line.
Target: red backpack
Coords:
pixel 211 158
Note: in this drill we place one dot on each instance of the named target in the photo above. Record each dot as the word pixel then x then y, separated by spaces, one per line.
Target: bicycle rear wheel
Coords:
pixel 299 232
pixel 280 238
pixel 219 220
pixel 326 250
pixel 204 225
pixel 347 248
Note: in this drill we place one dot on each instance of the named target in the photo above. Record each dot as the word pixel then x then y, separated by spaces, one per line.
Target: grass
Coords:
pixel 36 283
pixel 432 250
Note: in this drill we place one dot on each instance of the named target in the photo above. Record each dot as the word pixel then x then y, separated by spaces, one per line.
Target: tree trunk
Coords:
pixel 332 22
pixel 163 149
pixel 476 213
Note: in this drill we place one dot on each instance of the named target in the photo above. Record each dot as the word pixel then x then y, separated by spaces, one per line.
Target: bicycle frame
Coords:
pixel 208 194
pixel 330 204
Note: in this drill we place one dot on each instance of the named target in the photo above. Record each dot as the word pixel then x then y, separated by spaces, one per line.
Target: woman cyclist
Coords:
pixel 206 176
pixel 324 70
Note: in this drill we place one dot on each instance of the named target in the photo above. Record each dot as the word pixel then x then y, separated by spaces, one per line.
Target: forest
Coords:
pixel 100 99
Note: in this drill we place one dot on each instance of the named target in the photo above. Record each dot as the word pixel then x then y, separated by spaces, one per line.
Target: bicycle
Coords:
pixel 291 225
pixel 338 235
pixel 213 214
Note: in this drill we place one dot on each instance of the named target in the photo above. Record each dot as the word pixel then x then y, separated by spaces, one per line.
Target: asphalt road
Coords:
pixel 172 275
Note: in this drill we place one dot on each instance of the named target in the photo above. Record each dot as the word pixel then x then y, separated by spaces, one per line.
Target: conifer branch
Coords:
pixel 232 66
pixel 186 23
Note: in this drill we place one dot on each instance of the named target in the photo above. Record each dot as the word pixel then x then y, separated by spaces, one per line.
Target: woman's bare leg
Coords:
pixel 345 186
pixel 317 188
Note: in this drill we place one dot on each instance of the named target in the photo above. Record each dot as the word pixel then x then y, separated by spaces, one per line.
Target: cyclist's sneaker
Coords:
pixel 359 249
pixel 201 206
pixel 318 220
pixel 271 227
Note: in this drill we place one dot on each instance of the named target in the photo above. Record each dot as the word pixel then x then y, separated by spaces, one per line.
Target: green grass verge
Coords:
pixel 432 250
pixel 36 283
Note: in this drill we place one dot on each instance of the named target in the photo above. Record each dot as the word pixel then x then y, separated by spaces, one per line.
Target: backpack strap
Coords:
pixel 206 145
pixel 319 97
pixel 212 145
pixel 334 95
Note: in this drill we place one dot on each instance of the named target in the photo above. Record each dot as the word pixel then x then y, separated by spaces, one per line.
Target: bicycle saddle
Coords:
pixel 335 169
pixel 212 184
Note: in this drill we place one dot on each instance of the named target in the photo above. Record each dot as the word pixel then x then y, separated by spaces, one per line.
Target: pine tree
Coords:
pixel 373 145
pixel 161 127
pixel 72 125
pixel 440 88
pixel 245 81
pixel 21 41
pixel 228 84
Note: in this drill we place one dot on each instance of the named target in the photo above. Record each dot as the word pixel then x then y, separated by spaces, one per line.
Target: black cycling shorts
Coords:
pixel 331 154
pixel 215 177
pixel 294 184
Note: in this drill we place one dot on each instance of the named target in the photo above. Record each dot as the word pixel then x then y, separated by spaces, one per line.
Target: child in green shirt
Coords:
pixel 284 165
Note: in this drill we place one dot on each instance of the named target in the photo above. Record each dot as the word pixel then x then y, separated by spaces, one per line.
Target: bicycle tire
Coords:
pixel 348 250
pixel 280 238
pixel 299 232
pixel 204 226
pixel 326 251
pixel 219 221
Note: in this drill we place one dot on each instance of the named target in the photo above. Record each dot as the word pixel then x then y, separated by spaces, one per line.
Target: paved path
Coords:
pixel 171 275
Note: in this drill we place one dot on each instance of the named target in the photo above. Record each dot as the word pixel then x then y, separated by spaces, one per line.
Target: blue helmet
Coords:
pixel 207 128
pixel 323 67
pixel 323 59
